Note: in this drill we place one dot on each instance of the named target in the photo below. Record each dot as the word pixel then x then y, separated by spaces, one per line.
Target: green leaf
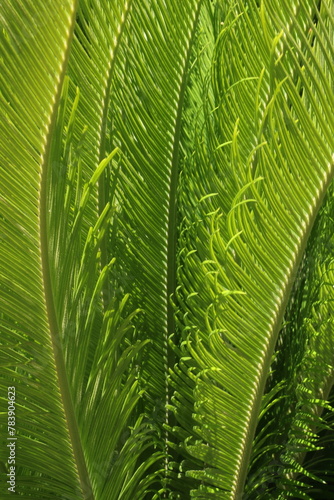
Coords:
pixel 265 131
pixel 166 248
pixel 32 70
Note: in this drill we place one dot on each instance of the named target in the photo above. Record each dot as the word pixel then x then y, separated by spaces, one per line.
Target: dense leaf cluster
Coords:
pixel 166 248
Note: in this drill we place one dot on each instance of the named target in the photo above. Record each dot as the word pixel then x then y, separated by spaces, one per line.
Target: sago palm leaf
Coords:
pixel 57 330
pixel 32 69
pixel 165 292
pixel 250 194
pixel 144 78
pixel 306 338
pixel 151 80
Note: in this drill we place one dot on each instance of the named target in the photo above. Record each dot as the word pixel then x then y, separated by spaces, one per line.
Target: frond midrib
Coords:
pixel 64 387
pixel 171 256
pixel 103 129
pixel 172 210
pixel 265 363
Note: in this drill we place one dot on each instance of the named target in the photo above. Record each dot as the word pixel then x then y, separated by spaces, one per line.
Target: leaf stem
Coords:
pixel 65 392
pixel 169 357
pixel 104 182
pixel 266 361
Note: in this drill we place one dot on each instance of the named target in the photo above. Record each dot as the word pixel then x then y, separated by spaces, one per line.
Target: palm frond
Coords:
pixel 166 257
pixel 95 365
pixel 268 153
pixel 32 69
pixel 101 361
pixel 150 84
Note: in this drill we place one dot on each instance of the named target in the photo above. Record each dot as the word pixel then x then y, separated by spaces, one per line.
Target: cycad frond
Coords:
pixel 32 69
pixel 149 98
pixel 268 153
pixel 166 257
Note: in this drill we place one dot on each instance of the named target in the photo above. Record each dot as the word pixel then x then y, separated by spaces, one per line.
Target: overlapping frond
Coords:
pixel 303 369
pixel 33 60
pixel 149 97
pixel 96 387
pixel 152 59
pixel 156 64
pixel 262 166
pixel 96 329
pixel 98 36
pixel 186 154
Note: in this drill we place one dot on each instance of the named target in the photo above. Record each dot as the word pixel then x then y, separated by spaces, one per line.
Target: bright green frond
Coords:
pixel 166 248
pixel 149 101
pixel 100 347
pixel 265 152
pixel 33 60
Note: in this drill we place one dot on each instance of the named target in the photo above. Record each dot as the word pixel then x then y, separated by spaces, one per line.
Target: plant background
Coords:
pixel 166 274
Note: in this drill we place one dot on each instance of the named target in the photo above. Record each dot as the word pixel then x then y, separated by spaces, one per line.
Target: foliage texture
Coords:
pixel 166 248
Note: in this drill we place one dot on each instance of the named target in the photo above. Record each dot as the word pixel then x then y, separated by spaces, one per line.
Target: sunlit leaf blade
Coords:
pixel 101 350
pixel 263 162
pixel 33 60
pixel 149 97
pixel 304 363
pixel 166 253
